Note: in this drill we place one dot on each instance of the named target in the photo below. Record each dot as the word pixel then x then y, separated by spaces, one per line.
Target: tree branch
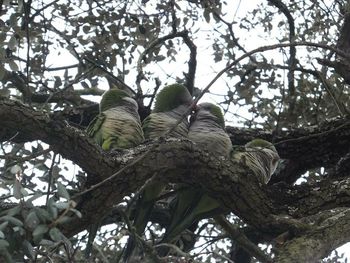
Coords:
pixel 330 229
pixel 178 161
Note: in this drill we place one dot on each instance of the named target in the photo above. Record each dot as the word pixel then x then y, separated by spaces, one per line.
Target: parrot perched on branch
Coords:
pixel 261 157
pixel 117 126
pixel 171 104
pixel 118 123
pixel 207 131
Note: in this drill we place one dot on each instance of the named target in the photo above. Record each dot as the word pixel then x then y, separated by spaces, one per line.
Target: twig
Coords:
pixel 239 237
pixel 137 194
pixel 158 41
pixel 292 52
pixel 338 104
pixel 150 250
pixel 24 159
pixel 50 179
pixel 71 204
pixel 109 75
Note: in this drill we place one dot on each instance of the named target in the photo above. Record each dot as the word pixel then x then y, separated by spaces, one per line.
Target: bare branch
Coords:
pixel 239 237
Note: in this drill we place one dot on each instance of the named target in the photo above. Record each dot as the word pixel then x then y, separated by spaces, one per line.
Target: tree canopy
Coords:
pixel 280 71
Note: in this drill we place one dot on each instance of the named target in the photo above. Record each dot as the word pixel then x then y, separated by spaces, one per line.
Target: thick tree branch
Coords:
pixel 178 161
pixel 330 230
pixel 23 124
pixel 20 123
pixel 305 200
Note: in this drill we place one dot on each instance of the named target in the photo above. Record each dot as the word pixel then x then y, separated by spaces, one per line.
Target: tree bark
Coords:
pixel 313 216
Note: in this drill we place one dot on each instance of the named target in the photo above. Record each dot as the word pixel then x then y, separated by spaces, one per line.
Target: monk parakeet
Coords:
pixel 261 157
pixel 171 104
pixel 117 125
pixel 207 131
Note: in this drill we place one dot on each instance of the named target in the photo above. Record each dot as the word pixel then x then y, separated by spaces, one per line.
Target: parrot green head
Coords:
pixel 171 97
pixel 113 98
pixel 207 109
pixel 260 143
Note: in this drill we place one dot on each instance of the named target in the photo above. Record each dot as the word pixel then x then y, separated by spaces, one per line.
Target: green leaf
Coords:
pixel 46 242
pixel 55 234
pixel 12 220
pixel 75 211
pixel 17 187
pixel 24 192
pixel 64 219
pixel 15 169
pixel 13 211
pixel 40 230
pixel 43 215
pixel 62 205
pixel 62 191
pixel 12 43
pixel 13 65
pixel 13 20
pixel 3 244
pixel 206 14
pixel 2 235
pixel 2 72
pixel 32 220
pixel 4 225
pixel 52 209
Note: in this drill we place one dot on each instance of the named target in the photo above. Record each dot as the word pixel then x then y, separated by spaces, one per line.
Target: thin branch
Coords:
pixel 27 7
pixel 192 62
pixel 234 39
pixel 61 68
pixel 38 11
pixel 292 52
pixel 263 49
pixel 109 76
pixel 150 250
pixel 18 160
pixel 240 238
pixel 49 179
pixel 339 105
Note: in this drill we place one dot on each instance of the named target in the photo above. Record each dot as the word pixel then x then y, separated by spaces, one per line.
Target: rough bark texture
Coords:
pixel 313 216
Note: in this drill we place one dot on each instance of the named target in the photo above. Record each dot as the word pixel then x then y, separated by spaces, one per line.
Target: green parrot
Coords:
pixel 117 126
pixel 171 104
pixel 261 157
pixel 207 131
pixel 118 123
pixel 193 204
